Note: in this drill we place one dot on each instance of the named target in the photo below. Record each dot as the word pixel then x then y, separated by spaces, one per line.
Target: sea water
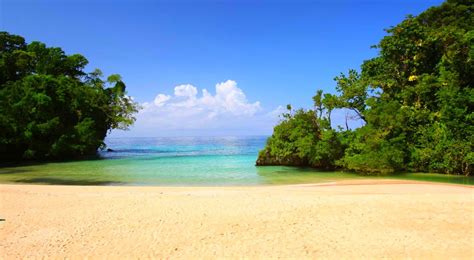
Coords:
pixel 183 161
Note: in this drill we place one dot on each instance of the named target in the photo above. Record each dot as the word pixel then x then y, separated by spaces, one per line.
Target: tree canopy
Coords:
pixel 50 108
pixel 415 97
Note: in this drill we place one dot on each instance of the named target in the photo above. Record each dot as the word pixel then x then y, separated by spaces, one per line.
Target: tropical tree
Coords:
pixel 50 108
pixel 416 99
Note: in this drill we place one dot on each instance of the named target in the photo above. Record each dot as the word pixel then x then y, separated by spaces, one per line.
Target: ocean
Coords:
pixel 182 161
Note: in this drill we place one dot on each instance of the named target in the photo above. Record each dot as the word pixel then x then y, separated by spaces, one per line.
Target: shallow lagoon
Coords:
pixel 185 161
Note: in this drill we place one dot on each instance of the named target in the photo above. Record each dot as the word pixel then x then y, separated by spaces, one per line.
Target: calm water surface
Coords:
pixel 200 161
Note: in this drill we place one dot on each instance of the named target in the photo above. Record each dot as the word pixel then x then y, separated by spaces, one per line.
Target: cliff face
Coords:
pixel 265 158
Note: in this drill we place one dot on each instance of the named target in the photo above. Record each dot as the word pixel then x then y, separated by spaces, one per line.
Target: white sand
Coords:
pixel 392 219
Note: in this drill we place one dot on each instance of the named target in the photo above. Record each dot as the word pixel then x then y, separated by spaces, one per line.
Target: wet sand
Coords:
pixel 363 219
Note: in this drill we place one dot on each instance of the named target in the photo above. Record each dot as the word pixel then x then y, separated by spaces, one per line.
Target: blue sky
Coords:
pixel 262 54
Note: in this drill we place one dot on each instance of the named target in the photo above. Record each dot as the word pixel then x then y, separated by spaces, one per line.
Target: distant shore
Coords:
pixel 357 218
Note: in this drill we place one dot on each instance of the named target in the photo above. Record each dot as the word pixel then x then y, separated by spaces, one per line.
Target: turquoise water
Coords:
pixel 200 161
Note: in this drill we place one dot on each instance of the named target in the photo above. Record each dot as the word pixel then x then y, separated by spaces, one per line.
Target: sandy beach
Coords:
pixel 363 219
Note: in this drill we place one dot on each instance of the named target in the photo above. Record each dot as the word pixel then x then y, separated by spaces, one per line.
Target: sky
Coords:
pixel 201 68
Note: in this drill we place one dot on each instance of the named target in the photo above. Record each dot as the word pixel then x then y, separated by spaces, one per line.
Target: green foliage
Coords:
pixel 301 139
pixel 415 97
pixel 353 93
pixel 328 150
pixel 291 143
pixel 50 108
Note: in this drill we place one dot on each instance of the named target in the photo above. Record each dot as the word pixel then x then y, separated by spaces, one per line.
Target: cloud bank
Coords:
pixel 190 111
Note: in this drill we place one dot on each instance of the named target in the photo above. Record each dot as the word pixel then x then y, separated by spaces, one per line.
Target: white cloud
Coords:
pixel 187 90
pixel 229 99
pixel 226 110
pixel 160 100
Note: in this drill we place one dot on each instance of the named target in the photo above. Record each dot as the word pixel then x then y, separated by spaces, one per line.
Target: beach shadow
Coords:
pixel 56 181
pixel 14 164
pixel 12 171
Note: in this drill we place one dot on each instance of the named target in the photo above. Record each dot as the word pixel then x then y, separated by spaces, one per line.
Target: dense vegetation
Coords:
pixel 415 98
pixel 50 108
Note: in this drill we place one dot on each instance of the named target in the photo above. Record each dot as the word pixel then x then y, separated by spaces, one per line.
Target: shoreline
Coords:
pixel 337 182
pixel 353 218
